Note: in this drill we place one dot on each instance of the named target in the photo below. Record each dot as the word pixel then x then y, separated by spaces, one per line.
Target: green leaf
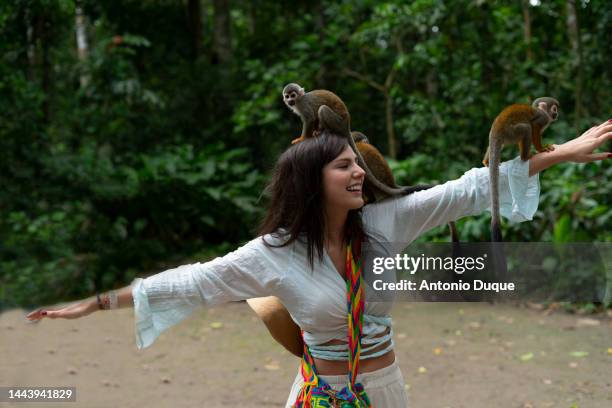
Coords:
pixel 563 229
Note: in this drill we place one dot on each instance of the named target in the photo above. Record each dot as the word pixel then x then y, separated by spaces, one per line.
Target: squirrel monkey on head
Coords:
pixel 517 124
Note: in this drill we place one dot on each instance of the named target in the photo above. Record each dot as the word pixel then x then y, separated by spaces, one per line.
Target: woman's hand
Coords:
pixel 87 306
pixel 580 149
pixel 73 311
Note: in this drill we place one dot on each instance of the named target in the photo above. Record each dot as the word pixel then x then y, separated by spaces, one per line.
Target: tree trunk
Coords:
pixel 319 15
pixel 31 44
pixel 252 17
pixel 386 91
pixel 574 36
pixel 194 21
pixel 222 39
pixel 389 124
pixel 389 107
pixel 431 84
pixel 46 66
pixel 81 39
pixel 527 32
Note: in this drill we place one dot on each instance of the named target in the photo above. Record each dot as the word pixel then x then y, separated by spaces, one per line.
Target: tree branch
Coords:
pixel 364 78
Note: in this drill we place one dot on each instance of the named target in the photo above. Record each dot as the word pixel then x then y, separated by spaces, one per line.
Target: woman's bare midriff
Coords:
pixel 333 367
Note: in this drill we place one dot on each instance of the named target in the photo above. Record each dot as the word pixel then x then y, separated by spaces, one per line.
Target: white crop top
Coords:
pixel 316 299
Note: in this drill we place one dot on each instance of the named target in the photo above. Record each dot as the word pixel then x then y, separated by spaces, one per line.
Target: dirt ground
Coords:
pixel 451 354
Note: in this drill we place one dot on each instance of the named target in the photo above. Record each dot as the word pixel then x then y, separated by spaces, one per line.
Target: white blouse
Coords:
pixel 316 299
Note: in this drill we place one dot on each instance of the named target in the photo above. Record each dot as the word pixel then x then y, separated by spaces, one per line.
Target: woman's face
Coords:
pixel 343 182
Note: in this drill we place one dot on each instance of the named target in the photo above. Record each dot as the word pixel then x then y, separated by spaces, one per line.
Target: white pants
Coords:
pixel 385 387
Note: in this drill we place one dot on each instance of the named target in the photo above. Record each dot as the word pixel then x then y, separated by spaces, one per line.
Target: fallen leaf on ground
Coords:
pixel 526 357
pixel 535 306
pixel 579 353
pixel 272 367
pixel 585 322
pixel 437 351
pixel 216 325
pixel 422 370
pixel 573 364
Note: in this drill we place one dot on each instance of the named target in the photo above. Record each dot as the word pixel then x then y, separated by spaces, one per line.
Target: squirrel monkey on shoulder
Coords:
pixel 520 124
pixel 379 166
pixel 321 109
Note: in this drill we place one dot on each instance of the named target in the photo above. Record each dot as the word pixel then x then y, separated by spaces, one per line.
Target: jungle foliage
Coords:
pixel 138 134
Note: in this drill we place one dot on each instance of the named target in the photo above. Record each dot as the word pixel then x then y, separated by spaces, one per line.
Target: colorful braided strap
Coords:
pixel 315 392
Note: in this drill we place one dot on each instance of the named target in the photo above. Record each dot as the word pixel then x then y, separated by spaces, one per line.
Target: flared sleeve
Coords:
pixel 403 219
pixel 164 299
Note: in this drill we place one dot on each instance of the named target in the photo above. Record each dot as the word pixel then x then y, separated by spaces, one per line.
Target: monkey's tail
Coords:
pixel 497 246
pixel 413 189
pixel 494 160
pixel 452 227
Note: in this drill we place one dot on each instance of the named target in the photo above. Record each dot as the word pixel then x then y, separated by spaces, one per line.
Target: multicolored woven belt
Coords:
pixel 315 392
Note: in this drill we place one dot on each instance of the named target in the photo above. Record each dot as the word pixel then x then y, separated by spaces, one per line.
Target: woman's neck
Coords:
pixel 335 227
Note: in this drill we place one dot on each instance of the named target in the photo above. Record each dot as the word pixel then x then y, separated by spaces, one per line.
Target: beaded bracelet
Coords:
pixel 108 301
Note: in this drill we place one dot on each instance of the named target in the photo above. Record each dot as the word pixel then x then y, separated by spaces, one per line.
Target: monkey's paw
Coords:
pixel 299 139
pixel 485 163
pixel 548 148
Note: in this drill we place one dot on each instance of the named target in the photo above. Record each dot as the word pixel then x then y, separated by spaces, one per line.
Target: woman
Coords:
pixel 315 207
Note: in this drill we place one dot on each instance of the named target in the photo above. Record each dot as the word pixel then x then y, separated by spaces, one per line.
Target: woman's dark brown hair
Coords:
pixel 296 202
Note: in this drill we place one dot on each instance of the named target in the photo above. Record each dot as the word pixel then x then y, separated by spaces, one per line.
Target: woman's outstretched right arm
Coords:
pixel 83 307
pixel 162 300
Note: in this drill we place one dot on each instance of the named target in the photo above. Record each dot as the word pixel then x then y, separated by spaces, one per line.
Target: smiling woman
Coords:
pixel 340 176
pixel 308 257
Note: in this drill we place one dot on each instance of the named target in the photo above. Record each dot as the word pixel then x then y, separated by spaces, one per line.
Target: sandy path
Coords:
pixel 452 355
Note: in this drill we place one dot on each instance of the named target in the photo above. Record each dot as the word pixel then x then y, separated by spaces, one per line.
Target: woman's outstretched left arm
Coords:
pixel 403 219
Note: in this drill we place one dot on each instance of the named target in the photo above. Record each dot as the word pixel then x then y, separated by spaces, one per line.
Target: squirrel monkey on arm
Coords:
pixel 517 124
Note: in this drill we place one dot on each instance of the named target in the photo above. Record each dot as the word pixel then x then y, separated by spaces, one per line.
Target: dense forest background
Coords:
pixel 138 134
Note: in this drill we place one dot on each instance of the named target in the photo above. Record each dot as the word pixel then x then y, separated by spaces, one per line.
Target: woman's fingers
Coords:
pixel 600 139
pixel 35 315
pixel 606 134
pixel 40 313
pixel 597 130
pixel 599 156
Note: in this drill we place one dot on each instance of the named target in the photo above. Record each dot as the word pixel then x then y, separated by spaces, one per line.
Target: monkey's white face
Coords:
pixel 290 95
pixel 343 183
pixel 552 111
